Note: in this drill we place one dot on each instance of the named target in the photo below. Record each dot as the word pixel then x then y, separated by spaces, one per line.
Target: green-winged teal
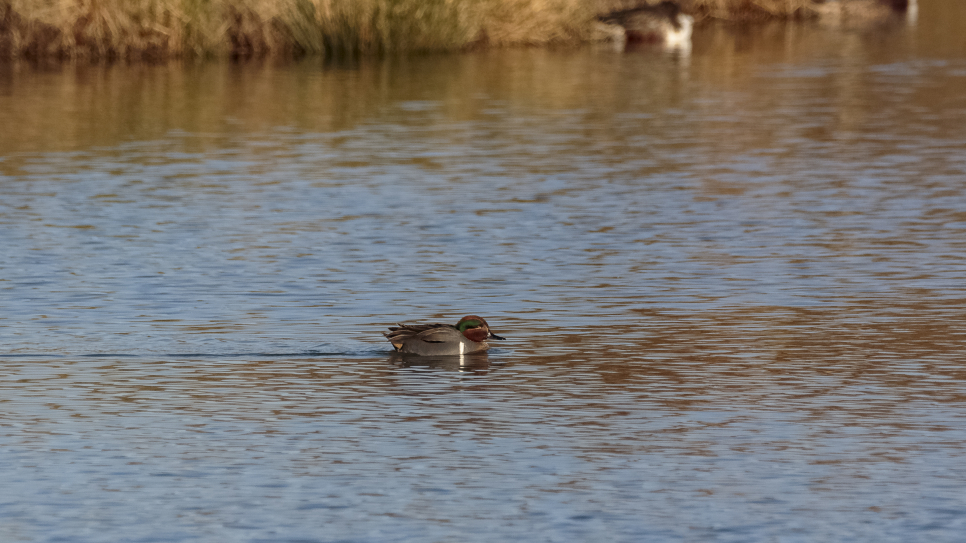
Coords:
pixel 468 336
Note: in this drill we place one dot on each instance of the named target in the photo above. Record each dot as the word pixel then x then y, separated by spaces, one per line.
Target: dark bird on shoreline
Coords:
pixel 652 23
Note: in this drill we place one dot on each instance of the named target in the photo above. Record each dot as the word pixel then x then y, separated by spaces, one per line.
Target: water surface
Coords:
pixel 732 281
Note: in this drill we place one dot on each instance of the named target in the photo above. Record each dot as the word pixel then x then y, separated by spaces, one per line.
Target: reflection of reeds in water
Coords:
pixel 164 28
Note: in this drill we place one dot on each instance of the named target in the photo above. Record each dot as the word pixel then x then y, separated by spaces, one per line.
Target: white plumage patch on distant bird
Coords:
pixel 680 37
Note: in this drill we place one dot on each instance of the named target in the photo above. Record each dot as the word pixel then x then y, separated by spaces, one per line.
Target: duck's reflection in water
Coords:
pixel 475 362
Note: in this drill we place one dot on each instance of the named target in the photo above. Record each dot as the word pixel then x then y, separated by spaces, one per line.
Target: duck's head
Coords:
pixel 476 329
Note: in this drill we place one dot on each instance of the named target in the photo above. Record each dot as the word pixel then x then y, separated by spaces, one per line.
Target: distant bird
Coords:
pixel 653 23
pixel 866 12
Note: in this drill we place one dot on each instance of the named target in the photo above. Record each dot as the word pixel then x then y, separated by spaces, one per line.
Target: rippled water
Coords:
pixel 732 284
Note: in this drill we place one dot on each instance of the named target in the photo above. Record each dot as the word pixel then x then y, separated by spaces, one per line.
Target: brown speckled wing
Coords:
pixel 432 333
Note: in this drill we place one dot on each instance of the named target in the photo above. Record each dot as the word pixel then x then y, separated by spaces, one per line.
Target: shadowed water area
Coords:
pixel 732 285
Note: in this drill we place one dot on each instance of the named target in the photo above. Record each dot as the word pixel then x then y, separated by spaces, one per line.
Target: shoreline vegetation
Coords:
pixel 155 30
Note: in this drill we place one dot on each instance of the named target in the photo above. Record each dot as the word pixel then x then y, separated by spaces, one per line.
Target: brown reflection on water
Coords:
pixel 868 363
pixel 67 106
pixel 749 357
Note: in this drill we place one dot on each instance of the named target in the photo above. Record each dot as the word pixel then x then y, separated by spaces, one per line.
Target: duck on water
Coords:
pixel 469 335
pixel 659 23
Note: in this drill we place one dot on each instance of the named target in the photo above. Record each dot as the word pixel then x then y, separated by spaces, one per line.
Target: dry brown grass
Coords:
pixel 751 9
pixel 508 22
pixel 157 29
pixel 165 28
pixel 733 10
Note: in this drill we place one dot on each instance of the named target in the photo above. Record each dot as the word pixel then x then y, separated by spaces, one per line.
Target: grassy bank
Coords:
pixel 746 10
pixel 174 28
pixel 158 29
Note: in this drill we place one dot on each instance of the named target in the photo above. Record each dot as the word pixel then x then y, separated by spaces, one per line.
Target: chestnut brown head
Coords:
pixel 476 329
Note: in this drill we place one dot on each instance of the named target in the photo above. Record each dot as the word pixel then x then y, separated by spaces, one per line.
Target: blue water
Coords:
pixel 733 297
